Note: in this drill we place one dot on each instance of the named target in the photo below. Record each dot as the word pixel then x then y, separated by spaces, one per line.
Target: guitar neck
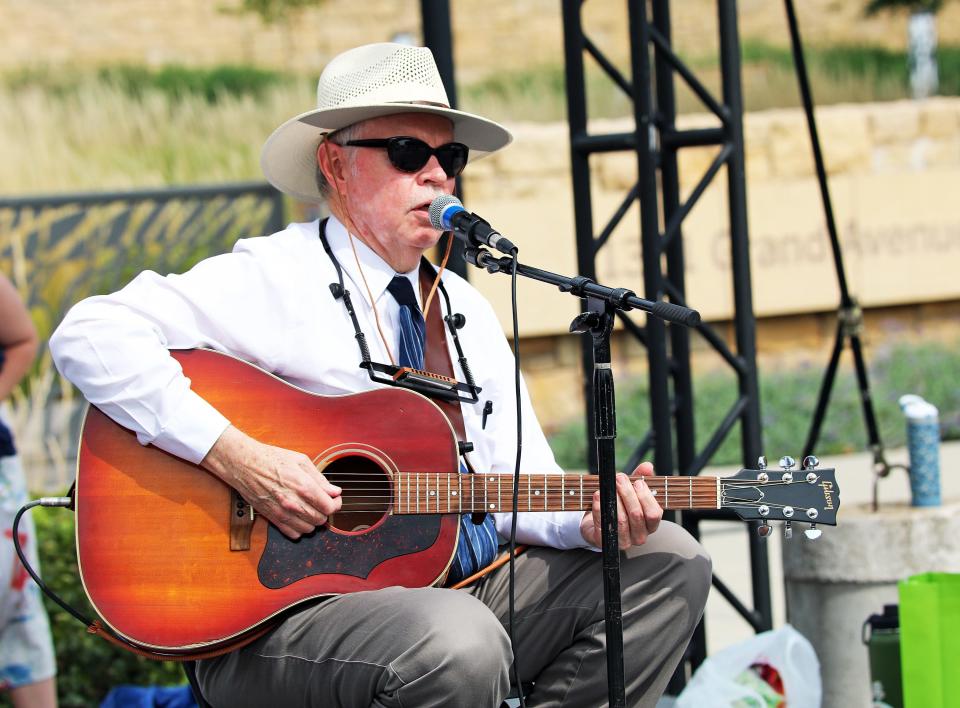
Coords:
pixel 439 493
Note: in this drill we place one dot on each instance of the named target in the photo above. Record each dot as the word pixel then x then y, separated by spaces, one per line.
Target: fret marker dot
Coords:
pixel 493 506
pixel 653 492
pixel 453 494
pixel 536 493
pixel 570 492
pixel 431 492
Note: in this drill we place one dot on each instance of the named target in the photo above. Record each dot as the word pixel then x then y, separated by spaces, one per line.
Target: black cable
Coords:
pixel 516 469
pixel 44 501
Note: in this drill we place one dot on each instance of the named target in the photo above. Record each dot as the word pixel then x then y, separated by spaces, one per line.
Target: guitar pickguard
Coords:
pixel 284 562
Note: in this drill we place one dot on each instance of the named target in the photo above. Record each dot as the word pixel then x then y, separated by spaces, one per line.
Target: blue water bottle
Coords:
pixel 923 445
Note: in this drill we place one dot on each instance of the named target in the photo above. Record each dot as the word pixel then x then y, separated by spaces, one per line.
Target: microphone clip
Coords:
pixel 481 258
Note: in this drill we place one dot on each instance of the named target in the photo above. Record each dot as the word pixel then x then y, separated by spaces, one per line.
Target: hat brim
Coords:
pixel 288 158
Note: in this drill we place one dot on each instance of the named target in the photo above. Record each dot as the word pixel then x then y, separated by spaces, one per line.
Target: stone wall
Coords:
pixel 85 32
pixel 893 170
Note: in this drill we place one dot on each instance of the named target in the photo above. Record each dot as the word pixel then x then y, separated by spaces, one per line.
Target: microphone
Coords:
pixel 448 214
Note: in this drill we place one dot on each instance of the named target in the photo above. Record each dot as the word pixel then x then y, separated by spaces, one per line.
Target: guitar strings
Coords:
pixel 358 501
pixel 679 480
pixel 698 491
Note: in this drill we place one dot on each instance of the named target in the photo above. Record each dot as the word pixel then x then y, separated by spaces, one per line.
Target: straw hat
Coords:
pixel 367 82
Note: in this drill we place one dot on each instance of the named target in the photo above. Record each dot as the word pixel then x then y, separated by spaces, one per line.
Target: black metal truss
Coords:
pixel 657 142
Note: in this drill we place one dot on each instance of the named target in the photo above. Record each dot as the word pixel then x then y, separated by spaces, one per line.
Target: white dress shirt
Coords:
pixel 269 302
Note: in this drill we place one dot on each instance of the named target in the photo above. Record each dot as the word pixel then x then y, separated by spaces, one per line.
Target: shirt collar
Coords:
pixel 377 271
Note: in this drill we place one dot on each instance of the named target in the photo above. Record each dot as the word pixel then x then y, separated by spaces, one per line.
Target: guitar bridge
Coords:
pixel 241 522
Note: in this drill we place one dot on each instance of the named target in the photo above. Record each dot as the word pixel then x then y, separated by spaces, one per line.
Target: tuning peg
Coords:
pixel 811 462
pixel 813 533
pixel 788 530
pixel 763 530
pixel 762 462
pixel 787 462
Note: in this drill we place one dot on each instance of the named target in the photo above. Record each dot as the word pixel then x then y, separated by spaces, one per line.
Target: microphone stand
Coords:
pixel 597 321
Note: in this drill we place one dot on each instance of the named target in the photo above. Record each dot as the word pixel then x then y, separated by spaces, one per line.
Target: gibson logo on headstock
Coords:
pixel 827 493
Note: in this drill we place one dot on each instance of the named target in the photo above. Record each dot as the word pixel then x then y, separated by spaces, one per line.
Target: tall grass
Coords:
pixel 127 126
pixel 98 136
pixel 838 74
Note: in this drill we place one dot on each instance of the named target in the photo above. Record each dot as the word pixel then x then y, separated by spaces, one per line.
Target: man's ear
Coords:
pixel 331 164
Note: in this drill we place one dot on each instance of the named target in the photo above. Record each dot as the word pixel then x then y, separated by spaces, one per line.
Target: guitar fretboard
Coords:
pixel 440 493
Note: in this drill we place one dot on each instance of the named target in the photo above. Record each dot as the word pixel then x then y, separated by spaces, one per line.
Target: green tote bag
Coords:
pixel 930 640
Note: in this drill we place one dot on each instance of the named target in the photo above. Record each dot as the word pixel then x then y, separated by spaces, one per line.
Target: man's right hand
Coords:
pixel 282 485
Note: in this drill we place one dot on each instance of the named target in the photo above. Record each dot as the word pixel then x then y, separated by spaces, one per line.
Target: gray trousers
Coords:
pixel 414 648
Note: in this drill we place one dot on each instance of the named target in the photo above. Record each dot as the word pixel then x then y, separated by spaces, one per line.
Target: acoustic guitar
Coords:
pixel 176 562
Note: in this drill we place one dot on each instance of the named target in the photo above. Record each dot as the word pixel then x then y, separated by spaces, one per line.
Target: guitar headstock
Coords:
pixel 809 494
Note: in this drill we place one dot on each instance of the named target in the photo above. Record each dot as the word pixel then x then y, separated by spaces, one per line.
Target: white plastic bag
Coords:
pixel 725 678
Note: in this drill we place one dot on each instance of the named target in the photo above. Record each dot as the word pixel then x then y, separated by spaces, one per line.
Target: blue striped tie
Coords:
pixel 478 542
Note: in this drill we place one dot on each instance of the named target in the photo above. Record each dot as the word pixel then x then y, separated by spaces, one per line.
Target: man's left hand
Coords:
pixel 638 513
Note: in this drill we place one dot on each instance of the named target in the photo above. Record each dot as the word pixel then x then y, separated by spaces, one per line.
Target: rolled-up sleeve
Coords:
pixel 114 348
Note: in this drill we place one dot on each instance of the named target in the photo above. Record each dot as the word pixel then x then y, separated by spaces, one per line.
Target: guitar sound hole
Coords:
pixel 366 493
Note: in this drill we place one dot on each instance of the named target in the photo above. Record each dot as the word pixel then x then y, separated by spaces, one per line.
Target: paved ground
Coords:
pixel 727 542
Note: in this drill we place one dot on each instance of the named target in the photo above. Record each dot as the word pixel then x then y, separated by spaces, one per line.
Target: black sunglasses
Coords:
pixel 411 154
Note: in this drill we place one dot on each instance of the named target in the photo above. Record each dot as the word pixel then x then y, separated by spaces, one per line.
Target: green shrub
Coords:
pixel 88 666
pixel 787 402
pixel 840 73
pixel 863 61
pixel 948 67
pixel 878 67
pixel 178 82
pixel 174 81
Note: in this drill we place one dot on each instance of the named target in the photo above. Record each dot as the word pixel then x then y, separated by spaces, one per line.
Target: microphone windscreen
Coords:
pixel 437 206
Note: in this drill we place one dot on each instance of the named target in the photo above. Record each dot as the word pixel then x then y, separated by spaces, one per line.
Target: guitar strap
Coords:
pixel 436 355
pixel 436 358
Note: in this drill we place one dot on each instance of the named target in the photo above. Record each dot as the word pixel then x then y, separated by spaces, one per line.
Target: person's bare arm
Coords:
pixel 18 337
pixel 282 485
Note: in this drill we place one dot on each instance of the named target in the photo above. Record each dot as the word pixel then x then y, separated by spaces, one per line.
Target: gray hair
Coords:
pixel 338 137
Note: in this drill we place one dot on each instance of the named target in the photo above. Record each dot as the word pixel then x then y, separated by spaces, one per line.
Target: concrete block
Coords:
pixel 845 139
pixel 893 158
pixel 693 164
pixel 618 170
pixel 790 152
pixel 941 153
pixel 896 121
pixel 835 583
pixel 538 149
pixel 940 118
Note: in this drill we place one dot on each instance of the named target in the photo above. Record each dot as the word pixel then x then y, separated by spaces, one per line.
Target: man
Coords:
pixel 380 146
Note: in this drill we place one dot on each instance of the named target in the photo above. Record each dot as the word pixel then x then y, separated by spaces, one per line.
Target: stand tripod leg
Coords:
pixel 866 400
pixel 826 387
pixel 851 318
